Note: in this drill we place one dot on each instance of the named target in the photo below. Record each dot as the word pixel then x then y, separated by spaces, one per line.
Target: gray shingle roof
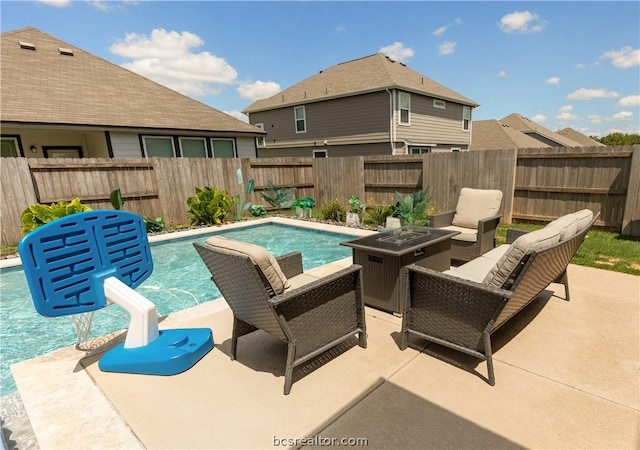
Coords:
pixel 493 135
pixel 578 137
pixel 369 74
pixel 528 126
pixel 45 86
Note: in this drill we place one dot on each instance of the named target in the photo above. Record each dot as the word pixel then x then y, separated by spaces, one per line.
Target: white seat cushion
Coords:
pixel 525 244
pixel 566 225
pixel 466 234
pixel 478 268
pixel 476 204
pixel 260 257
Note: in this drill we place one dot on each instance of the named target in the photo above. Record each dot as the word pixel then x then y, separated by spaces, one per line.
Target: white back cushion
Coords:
pixel 476 204
pixel 566 225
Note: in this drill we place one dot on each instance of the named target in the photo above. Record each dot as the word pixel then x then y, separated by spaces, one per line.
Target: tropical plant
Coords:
pixel 279 197
pixel 36 215
pixel 376 215
pixel 151 225
pixel 258 210
pixel 209 206
pixel 356 206
pixel 413 209
pixel 304 203
pixel 334 210
pixel 241 204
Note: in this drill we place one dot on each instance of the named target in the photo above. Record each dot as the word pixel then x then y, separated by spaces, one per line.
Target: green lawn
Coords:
pixel 600 249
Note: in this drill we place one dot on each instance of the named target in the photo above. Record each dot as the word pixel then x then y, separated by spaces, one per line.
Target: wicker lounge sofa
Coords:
pixel 462 307
pixel 272 294
pixel 476 218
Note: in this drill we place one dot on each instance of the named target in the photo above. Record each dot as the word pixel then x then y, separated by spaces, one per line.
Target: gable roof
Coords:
pixel 580 138
pixel 369 74
pixel 528 126
pixel 494 135
pixel 45 86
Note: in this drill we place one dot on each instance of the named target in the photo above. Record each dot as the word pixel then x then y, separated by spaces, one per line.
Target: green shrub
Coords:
pixel 376 215
pixel 257 210
pixel 151 225
pixel 35 215
pixel 334 210
pixel 209 206
pixel 304 203
pixel 413 209
pixel 279 197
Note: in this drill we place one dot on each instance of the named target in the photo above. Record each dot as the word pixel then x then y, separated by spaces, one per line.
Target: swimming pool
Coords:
pixel 180 280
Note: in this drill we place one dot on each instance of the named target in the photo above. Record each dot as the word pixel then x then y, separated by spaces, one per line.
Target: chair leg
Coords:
pixel 564 279
pixel 489 355
pixel 288 372
pixel 362 339
pixel 240 328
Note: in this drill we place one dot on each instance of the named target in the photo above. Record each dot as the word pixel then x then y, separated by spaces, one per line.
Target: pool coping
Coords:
pixel 57 377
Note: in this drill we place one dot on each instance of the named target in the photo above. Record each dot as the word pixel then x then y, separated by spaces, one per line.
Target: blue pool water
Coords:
pixel 180 280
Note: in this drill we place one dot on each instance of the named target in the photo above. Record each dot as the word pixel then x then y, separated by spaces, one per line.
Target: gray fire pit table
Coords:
pixel 383 255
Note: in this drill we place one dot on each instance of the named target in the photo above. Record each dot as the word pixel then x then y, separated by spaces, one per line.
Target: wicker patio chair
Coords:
pixel 311 317
pixel 462 313
pixel 476 218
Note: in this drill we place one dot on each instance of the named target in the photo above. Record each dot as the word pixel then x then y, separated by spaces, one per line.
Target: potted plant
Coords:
pixel 303 206
pixel 355 209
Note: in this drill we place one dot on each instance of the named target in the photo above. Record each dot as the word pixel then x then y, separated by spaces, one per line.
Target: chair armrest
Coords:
pixel 451 309
pixel 514 233
pixel 290 264
pixel 442 219
pixel 487 232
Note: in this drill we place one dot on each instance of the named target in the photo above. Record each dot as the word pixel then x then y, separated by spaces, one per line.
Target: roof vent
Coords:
pixel 27 45
pixel 65 51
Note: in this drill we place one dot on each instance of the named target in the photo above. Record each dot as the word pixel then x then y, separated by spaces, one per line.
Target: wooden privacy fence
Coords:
pixel 538 184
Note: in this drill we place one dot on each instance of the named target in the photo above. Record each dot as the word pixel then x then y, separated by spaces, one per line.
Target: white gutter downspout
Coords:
pixel 392 123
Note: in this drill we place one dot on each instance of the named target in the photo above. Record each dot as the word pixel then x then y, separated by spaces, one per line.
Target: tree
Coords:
pixel 620 139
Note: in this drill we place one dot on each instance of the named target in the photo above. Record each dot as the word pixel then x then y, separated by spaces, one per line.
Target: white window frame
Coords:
pixel 213 148
pixel 455 149
pixel 261 141
pixel 304 119
pixel 188 138
pixel 318 152
pixel 466 118
pixel 400 108
pixel 150 136
pixel 420 149
pixel 440 104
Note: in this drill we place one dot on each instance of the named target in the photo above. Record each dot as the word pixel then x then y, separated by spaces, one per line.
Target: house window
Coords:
pixel 193 147
pixel 404 103
pixel 301 121
pixel 9 148
pixel 419 150
pixel 223 148
pixel 455 149
pixel 466 117
pixel 158 146
pixel 320 154
pixel 440 104
pixel 261 141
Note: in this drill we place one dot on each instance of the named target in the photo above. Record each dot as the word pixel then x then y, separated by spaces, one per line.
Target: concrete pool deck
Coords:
pixel 567 376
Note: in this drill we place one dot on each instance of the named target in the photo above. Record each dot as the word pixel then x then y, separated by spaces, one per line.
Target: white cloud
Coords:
pixel 553 80
pixel 440 31
pixel 589 94
pixel 238 115
pixel 629 100
pixel 169 59
pixel 258 90
pixel 564 113
pixel 623 115
pixel 447 48
pixel 340 29
pixel 458 21
pixel 594 118
pixel 502 74
pixel 624 58
pixel 398 52
pixel 566 108
pixel 56 3
pixel 539 118
pixel 521 22
pixel 581 66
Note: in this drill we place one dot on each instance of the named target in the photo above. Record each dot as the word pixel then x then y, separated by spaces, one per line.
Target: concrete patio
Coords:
pixel 567 376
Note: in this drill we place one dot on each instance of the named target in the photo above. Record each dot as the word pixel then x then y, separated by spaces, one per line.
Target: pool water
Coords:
pixel 180 280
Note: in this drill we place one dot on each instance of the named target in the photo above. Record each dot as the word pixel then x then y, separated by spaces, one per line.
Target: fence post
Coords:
pixel 631 217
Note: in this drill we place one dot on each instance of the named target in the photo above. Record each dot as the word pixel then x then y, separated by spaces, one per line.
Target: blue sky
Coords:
pixel 562 64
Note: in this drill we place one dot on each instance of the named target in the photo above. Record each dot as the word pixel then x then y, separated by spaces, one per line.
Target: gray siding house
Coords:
pixel 369 106
pixel 60 101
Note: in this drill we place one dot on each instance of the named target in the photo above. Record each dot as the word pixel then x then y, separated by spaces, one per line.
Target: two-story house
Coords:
pixel 58 100
pixel 369 106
